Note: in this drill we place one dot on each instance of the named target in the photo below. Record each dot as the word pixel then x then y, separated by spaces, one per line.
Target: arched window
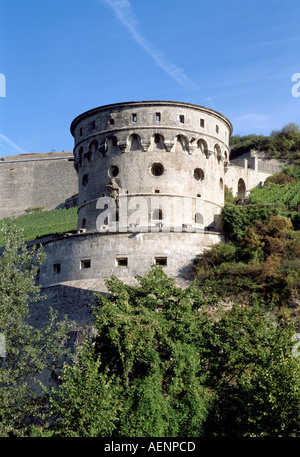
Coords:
pixel 198 218
pixel 158 141
pixel 135 142
pixel 112 145
pixel 241 193
pixel 181 144
pixel 217 151
pixel 202 145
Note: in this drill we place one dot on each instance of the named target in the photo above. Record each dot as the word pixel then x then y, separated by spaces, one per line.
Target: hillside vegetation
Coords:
pixel 281 144
pixel 38 223
pixel 261 259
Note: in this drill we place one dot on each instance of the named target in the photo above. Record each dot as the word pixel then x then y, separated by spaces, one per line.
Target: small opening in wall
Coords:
pixel 157 169
pixel 122 261
pixel 111 121
pixel 217 129
pixel 157 191
pixel 83 223
pixel 92 125
pixel 114 170
pixel 157 215
pixel 162 261
pixel 134 117
pixel 199 195
pixel 158 117
pixel 85 264
pixel 198 174
pixel 85 180
pixel 80 131
pixel 56 268
pixel 201 122
pixel 181 118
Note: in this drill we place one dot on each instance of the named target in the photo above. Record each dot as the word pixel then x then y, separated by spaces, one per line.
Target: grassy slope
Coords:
pixel 43 223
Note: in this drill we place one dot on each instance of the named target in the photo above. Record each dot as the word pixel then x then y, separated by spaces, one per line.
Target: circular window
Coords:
pixel 85 180
pixel 114 171
pixel 157 169
pixel 198 174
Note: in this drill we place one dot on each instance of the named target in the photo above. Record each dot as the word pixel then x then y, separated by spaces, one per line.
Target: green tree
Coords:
pixel 254 374
pixel 165 362
pixel 28 350
pixel 148 344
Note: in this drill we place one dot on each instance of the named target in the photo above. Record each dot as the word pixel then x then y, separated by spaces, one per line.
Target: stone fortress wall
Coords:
pixel 46 180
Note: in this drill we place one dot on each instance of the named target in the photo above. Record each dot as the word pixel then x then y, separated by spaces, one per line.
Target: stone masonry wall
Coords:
pixel 36 180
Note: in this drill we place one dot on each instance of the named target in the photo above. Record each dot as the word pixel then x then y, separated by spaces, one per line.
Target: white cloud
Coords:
pixel 123 11
pixel 8 148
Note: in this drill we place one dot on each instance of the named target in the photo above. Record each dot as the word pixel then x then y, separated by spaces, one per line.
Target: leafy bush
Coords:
pixel 164 365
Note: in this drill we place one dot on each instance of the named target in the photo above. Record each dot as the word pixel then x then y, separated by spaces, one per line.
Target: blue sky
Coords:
pixel 63 57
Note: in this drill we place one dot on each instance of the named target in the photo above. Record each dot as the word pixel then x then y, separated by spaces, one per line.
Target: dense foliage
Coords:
pixel 165 363
pixel 28 350
pixel 283 144
pixel 40 223
pixel 261 256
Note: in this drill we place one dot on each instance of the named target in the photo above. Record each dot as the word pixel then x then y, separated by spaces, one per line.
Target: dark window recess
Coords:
pixel 92 125
pixel 157 169
pixel 181 118
pixel 157 191
pixel 158 117
pixel 111 121
pixel 85 180
pixel 85 264
pixel 134 118
pixel 80 131
pixel 198 174
pixel 201 122
pixel 156 138
pixel 157 215
pixel 161 261
pixel 217 129
pixel 122 262
pixel 56 268
pixel 114 170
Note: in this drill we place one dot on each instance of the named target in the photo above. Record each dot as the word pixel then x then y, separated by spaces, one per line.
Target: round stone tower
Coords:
pixel 151 188
pixel 177 150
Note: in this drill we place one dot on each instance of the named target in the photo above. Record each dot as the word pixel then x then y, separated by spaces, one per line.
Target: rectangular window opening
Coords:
pixel 80 131
pixel 122 262
pixel 85 264
pixel 201 122
pixel 56 268
pixel 181 118
pixel 134 117
pixel 217 129
pixel 162 261
pixel 111 121
pixel 158 117
pixel 157 191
